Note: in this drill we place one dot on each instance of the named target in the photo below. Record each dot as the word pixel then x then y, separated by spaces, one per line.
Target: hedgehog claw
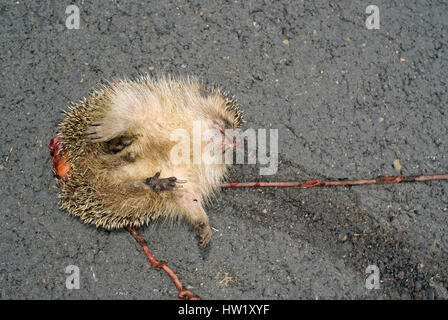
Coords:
pixel 165 184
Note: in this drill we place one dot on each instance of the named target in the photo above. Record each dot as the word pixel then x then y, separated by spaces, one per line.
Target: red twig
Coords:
pixel 184 293
pixel 318 183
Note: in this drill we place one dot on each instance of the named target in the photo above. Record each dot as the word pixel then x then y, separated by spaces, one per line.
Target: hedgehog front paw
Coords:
pixel 166 184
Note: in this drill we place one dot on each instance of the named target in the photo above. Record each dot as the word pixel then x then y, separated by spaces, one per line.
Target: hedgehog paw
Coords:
pixel 204 232
pixel 104 130
pixel 166 184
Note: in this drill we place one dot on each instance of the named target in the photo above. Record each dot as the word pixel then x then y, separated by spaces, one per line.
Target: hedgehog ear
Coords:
pixel 222 124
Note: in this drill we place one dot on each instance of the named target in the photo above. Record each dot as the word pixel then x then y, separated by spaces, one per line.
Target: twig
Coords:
pixel 184 293
pixel 318 183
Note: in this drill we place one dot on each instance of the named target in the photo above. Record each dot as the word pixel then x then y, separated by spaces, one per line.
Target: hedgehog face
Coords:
pixel 217 137
pixel 228 136
pixel 221 109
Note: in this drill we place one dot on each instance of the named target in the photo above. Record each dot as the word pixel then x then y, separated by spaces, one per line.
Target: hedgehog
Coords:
pixel 113 154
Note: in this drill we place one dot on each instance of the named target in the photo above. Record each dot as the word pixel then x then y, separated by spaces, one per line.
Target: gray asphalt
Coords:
pixel 347 101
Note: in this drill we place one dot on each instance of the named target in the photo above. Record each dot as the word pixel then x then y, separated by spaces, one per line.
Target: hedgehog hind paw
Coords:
pixel 104 130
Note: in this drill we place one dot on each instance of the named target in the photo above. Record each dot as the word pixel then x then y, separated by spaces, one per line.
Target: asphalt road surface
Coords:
pixel 347 101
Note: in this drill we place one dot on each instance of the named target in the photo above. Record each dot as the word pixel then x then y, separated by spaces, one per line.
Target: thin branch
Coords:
pixel 184 293
pixel 318 183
